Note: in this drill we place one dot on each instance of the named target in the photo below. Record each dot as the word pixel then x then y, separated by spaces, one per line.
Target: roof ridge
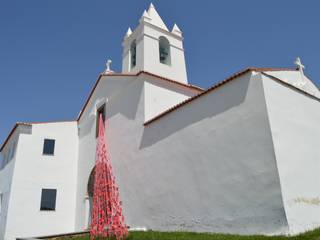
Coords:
pixel 290 85
pixel 203 91
pixel 215 86
pixel 27 124
pixel 173 81
pixel 132 75
pixel 200 94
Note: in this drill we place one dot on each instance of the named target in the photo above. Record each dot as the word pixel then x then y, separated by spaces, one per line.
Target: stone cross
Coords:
pixel 299 65
pixel 108 65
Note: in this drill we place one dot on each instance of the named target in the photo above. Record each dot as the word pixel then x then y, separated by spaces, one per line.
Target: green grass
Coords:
pixel 151 235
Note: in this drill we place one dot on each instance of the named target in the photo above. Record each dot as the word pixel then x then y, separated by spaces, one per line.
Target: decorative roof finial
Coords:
pixel 151 6
pixel 299 65
pixel 145 17
pixel 129 32
pixel 108 70
pixel 176 30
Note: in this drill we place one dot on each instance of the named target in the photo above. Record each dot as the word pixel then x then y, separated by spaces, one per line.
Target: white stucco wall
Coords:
pixel 124 94
pixel 297 79
pixel 208 166
pixel 160 95
pixel 294 120
pixel 147 40
pixel 230 161
pixel 110 88
pixel 6 174
pixel 5 187
pixel 34 171
pixel 177 69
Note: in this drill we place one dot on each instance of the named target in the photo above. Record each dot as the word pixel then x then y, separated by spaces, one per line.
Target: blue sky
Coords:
pixel 51 52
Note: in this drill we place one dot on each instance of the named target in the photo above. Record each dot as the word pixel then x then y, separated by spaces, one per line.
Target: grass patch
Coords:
pixel 152 235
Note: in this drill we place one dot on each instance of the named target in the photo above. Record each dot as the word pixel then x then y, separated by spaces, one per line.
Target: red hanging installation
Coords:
pixel 107 218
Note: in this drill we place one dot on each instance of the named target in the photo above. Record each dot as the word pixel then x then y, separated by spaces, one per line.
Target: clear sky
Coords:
pixel 51 52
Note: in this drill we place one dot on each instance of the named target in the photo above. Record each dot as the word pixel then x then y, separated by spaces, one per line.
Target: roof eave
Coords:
pixel 11 133
pixel 189 86
pixel 215 86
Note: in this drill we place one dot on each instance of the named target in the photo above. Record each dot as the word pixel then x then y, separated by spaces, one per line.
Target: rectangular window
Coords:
pixel 48 199
pixel 100 110
pixel 48 147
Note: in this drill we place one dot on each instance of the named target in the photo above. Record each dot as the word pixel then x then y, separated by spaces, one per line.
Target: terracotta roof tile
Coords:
pixel 202 92
pixel 198 89
pixel 214 87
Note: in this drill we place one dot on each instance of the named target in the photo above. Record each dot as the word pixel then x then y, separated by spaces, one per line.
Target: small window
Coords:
pixel 164 51
pixel 133 54
pixel 48 199
pixel 101 110
pixel 48 147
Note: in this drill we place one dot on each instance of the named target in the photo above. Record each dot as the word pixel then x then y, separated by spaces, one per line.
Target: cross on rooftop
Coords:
pixel 108 64
pixel 108 70
pixel 299 65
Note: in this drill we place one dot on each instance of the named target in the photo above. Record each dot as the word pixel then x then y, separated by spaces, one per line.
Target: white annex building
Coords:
pixel 240 157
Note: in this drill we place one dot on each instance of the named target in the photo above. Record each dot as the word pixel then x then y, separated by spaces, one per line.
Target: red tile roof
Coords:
pixel 198 89
pixel 189 86
pixel 216 86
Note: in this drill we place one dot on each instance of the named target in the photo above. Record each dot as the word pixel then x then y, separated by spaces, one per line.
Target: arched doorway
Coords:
pixel 89 198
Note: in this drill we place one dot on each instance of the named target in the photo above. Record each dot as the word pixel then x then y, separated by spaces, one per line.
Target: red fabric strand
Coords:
pixel 107 218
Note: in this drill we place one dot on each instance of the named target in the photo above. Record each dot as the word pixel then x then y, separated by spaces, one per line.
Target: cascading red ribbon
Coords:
pixel 107 218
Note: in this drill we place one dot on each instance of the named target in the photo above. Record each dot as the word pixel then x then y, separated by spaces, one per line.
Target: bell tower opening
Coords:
pixel 133 54
pixel 153 48
pixel 164 51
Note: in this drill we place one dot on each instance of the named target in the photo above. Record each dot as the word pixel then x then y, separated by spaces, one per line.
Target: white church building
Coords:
pixel 242 156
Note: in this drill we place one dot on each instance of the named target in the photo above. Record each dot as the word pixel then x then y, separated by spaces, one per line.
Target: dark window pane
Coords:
pixel 133 52
pixel 101 110
pixel 164 51
pixel 48 199
pixel 48 146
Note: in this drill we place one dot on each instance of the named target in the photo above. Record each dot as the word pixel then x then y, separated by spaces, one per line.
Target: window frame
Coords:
pixel 165 44
pixel 101 109
pixel 42 208
pixel 44 143
pixel 133 46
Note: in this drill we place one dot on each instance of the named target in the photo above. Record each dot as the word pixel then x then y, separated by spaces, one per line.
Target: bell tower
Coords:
pixel 151 47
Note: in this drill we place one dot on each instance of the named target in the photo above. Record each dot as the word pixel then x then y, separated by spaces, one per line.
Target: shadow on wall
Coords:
pixel 163 84
pixel 124 102
pixel 210 105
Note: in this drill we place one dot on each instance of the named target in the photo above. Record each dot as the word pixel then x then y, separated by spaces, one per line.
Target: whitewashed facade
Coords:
pixel 240 157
